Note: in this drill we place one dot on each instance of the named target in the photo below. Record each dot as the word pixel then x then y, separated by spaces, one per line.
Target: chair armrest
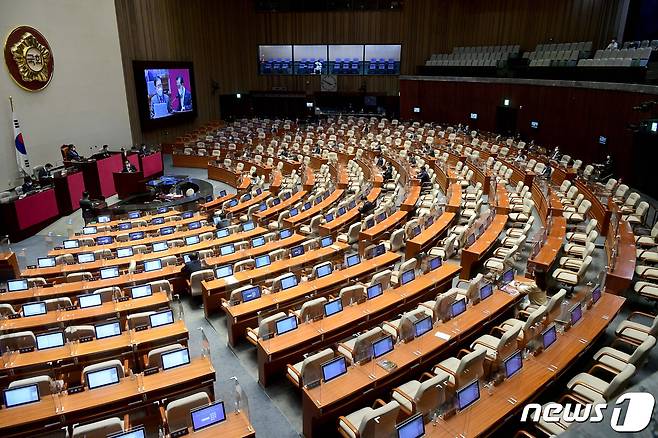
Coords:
pixel 378 403
pixel 638 314
pixel 345 421
pixel 163 416
pixel 126 421
pixel 626 343
pixel 463 352
pixel 425 376
pixel 523 434
pixel 291 368
pixel 606 369
pixel 578 382
pixel 498 329
pixel 452 373
pixel 524 313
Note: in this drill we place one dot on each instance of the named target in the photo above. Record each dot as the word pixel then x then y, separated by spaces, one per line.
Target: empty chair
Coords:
pixel 352 294
pixel 99 429
pixel 140 319
pixel 497 349
pixel 197 277
pixel 462 371
pixel 308 370
pixel 16 341
pixel 591 389
pixel 45 384
pixel 114 363
pixel 616 359
pixel 637 327
pixel 423 396
pixel 265 328
pixel 177 414
pixel 79 276
pixel 570 277
pixel 370 422
pixel 161 286
pixel 357 348
pixel 154 357
pixel 58 303
pixel 352 235
pixel 439 309
pixel 383 278
pixel 582 237
pixel 312 309
pixel 77 332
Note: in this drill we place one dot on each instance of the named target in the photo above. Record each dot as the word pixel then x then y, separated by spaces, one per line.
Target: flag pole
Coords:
pixel 11 103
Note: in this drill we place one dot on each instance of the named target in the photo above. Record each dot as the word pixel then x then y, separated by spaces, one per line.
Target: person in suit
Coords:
pixel 388 173
pixel 128 167
pixel 105 152
pixel 86 207
pixel 366 207
pixel 380 161
pixel 29 184
pixel 423 176
pixel 192 266
pixel 45 173
pixel 159 96
pixel 184 97
pixel 72 154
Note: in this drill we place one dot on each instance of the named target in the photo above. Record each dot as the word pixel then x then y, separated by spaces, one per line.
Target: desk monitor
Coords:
pixel 382 346
pixel 162 210
pixel 481 230
pixel 287 195
pixel 576 313
pixel 332 307
pixel 429 221
pixel 216 220
pixel 263 260
pixel 136 235
pixel 206 416
pixel 192 240
pixel 342 211
pixel 507 277
pixel 296 250
pixel 21 395
pixel 246 197
pixel 124 252
pixel 107 330
pixel 160 246
pixel 378 250
pixel 486 291
pixel 175 358
pixel 187 214
pixel 326 241
pixel 381 216
pixel 152 265
pixel 161 318
pixel 135 432
pixel 262 206
pixel 407 276
pixel 34 309
pixel 223 271
pixel 50 340
pixel 283 234
pixel 89 230
pixel 329 217
pixel 46 262
pixel 352 259
pixel 248 226
pixel 194 225
pixel 411 428
pixel 134 214
pixel 276 201
pixel 288 282
pixel 596 294
pixel 257 241
pixel 70 244
pixel 458 307
pixel 209 198
pixel 324 270
pixel 307 206
pixel 111 272
pixel 141 291
pixel 232 203
pixel 285 325
pixel 222 233
pixel 157 221
pixel 16 285
pixel 294 212
pixel 103 377
pixel 370 223
pixel 549 336
pixel 86 257
pixel 374 291
pixel 423 326
pixel 104 240
pixel 250 294
pixel 435 263
pixel 468 395
pixel 125 226
pixel 259 191
pixel 103 219
pixel 334 368
pixel 352 204
pixel 89 300
pixel 222 193
pixel 470 240
pixel 513 364
pixel 416 231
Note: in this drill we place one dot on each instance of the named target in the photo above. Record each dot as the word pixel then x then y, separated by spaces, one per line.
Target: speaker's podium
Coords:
pixel 128 184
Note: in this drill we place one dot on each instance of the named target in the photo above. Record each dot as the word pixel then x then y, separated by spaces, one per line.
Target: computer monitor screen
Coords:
pixel 382 346
pixel 294 212
pixel 16 285
pixel 34 309
pixel 46 262
pixel 124 252
pixel 423 326
pixel 103 219
pixel 507 277
pixel 141 291
pixel 374 291
pixel 352 260
pixel 209 415
pixel 334 368
pixel 341 211
pixel 192 240
pixel 470 239
pixel 407 276
pixel 370 223
pixel 246 197
pixel 103 240
pixel 152 265
pixel 288 282
pixel 111 272
pixel 480 230
pixel 222 233
pixel 194 225
pixel 381 216
pixel 89 230
pixel 222 193
pixel 125 226
pixel 250 294
pixel 161 210
pixel 468 395
pixel 285 233
pixel 329 217
pixel 257 241
pixel 176 358
pixel 576 313
pixel 187 214
pixel 549 336
pixel 513 364
pixel 134 214
pixel 284 325
pixel 259 191
pixel 86 257
pixel 248 226
pixel 135 432
pixel 603 139
pixel 137 235
pixel 458 307
pixel 70 244
pixel 164 231
pixel 654 127
pixel 307 206
pixel 429 221
pixel 474 116
pixel 324 270
pixel 296 251
pixel 160 246
pixel 157 220
pixel 486 291
pixel 161 318
pixel 104 377
pixel 232 203
pixel 415 231
pixel 262 206
pixel 435 263
pixel 332 307
pixel 89 300
pixel 596 294
pixel 286 195
pixel 50 340
pixel 263 260
pixel 326 241
pixel 352 204
pixel 224 271
pixel 276 201
pixel 21 395
pixel 411 428
pixel 534 124
pixel 107 330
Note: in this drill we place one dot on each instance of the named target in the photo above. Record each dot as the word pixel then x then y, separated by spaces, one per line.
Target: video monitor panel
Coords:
pixel 382 59
pixel 310 59
pixel 275 60
pixel 346 59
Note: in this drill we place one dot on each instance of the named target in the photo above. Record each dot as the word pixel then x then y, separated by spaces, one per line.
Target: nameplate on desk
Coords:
pixel 14 316
pixel 122 299
pixel 230 279
pixel 69 308
pixel 181 432
pixel 441 335
pixel 151 371
pixel 141 328
pixel 86 339
pixel 2 291
pixel 312 384
pixel 335 247
pixel 77 234
pixel 57 248
pixel 75 389
pixel 26 350
pixel 31 266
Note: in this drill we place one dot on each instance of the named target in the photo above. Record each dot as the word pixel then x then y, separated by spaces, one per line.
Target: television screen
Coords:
pixel 382 59
pixel 346 59
pixel 474 116
pixel 534 124
pixel 603 139
pixel 310 60
pixel 275 60
pixel 165 92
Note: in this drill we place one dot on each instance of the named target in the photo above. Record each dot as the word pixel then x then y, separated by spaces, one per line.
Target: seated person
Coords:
pixel 388 173
pixel 72 154
pixel 45 173
pixel 366 207
pixel 105 152
pixel 536 293
pixel 128 167
pixel 192 266
pixel 29 184
pixel 143 150
pixel 86 207
pixel 424 177
pixel 380 161
pixel 547 171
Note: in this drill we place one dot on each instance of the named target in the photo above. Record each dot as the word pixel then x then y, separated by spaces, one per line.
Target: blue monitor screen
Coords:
pixel 187 214
pixel 326 241
pixel 374 291
pixel 513 364
pixel 104 240
pixel 296 251
pixel 206 416
pixel 125 226
pixel 175 358
pixel 161 318
pixel 162 210
pixel 435 263
pixel 232 203
pixel 458 307
pixel 16 285
pixel 166 230
pixel 68 244
pixel 334 368
pixel 222 233
pixel 307 206
pixel 576 314
pixel 107 330
pixel 134 214
pixel 222 193
pixel 141 291
pixel 549 336
pixel 192 240
pixel 411 428
pixel 21 395
pixel 86 257
pixel 324 270
pixel 160 246
pixel 246 197
pixel 89 230
pixel 111 272
pixel 332 307
pixel 224 271
pixel 194 225
pixel 157 221
pixel 250 294
pixel 341 211
pixel 90 300
pixel 379 250
pixel 262 206
pixel 508 276
pixel 136 235
pixel 285 325
pixel 103 219
pixel 104 377
pixel 596 294
pixel 486 291
pixel 407 276
pixel 46 262
pixel 288 282
pixel 423 326
pixel 294 212
pixel 34 309
pixel 135 432
pixel 285 233
pixel 381 216
pixel 468 395
pixel 50 340
pixel 276 201
pixel 248 226
pixel 352 260
pixel 329 217
pixel 263 260
pixel 152 265
pixel 124 252
pixel 470 240
pixel 382 346
pixel 257 241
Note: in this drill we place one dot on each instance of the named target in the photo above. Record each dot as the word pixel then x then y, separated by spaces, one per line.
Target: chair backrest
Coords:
pixel 441 310
pixel 79 276
pixel 77 332
pixel 57 303
pixel 379 422
pixel 553 307
pixel 473 291
pixel 397 240
pixel 45 384
pixel 266 325
pixel 352 294
pixel 16 341
pixel 619 382
pixel 471 367
pixel 312 309
pixel 310 370
pixel 363 343
pixel 114 363
pixel 383 277
pixel 533 325
pixel 642 351
pixel 108 293
pixel 197 277
pixel 99 429
pixel 140 319
pixel 161 286
pixel 431 394
pixel 178 411
pixel 509 341
pixel 153 359
pixel 6 309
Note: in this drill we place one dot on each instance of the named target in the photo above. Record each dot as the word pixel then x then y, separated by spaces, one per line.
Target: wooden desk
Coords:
pixel 377 232
pixel 556 208
pixel 275 353
pixel 429 235
pixel 323 404
pixel 619 278
pixel 236 425
pixel 196 161
pixel 502 199
pixel 551 247
pixel 454 194
pixel 491 411
pixel 217 202
pixel 262 216
pixel 341 222
pixel 90 405
pixel 244 315
pixel 306 215
pixel 9 266
pixel 295 239
pixel 482 245
pixel 409 202
pixel 244 206
pixel 214 290
pixel 145 217
pixel 76 316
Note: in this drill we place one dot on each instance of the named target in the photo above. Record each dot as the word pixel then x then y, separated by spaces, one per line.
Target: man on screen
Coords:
pixel 159 98
pixel 183 97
